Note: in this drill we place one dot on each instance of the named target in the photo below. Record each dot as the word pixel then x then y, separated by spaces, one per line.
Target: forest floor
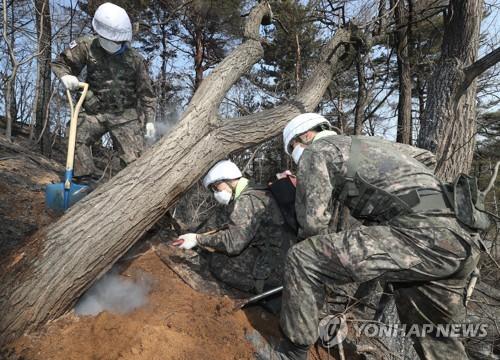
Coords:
pixel 176 322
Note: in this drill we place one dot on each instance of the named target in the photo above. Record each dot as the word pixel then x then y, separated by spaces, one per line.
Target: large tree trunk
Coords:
pixel 450 126
pixel 44 279
pixel 42 115
pixel 404 72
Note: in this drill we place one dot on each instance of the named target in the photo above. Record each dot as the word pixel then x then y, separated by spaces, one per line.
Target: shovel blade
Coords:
pixel 54 195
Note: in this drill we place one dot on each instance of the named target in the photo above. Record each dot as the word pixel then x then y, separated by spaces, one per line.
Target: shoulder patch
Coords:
pixel 73 44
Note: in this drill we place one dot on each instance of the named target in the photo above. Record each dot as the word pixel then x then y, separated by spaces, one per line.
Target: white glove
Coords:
pixel 186 241
pixel 150 130
pixel 70 82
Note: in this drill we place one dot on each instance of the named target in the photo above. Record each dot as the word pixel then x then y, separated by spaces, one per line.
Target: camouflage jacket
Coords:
pixel 255 220
pixel 117 82
pixel 321 176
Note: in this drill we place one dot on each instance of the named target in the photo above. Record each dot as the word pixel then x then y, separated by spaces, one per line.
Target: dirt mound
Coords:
pixel 23 177
pixel 176 323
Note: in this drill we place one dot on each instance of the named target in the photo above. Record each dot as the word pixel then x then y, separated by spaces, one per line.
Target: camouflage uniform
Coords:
pixel 119 91
pixel 426 254
pixel 250 254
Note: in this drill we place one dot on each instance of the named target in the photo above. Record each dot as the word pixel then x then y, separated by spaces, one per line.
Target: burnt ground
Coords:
pixel 23 177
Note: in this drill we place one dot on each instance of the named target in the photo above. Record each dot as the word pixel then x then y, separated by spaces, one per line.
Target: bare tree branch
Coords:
pixel 480 66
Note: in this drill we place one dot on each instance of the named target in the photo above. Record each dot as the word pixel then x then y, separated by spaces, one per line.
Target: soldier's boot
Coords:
pixel 286 350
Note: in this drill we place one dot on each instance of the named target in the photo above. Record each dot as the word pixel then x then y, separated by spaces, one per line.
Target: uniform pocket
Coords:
pixel 375 250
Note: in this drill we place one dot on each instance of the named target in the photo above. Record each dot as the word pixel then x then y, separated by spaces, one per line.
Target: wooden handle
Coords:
pixel 73 123
pixel 211 232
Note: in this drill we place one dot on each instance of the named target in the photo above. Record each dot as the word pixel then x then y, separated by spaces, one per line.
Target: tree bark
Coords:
pixel 362 99
pixel 9 94
pixel 164 89
pixel 404 133
pixel 199 51
pixel 42 114
pixel 450 125
pixel 420 88
pixel 381 22
pixel 44 278
pixel 298 63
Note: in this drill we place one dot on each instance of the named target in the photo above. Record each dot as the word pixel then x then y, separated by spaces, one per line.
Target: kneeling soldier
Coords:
pixel 249 254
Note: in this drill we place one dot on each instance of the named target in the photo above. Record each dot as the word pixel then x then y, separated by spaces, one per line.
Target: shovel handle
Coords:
pixel 211 232
pixel 73 123
pixel 240 304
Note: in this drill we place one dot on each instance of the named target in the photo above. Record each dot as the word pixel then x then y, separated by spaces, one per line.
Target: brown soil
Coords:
pixel 176 323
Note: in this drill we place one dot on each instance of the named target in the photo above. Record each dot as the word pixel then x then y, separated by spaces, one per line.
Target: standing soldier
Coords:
pixel 411 237
pixel 250 253
pixel 120 92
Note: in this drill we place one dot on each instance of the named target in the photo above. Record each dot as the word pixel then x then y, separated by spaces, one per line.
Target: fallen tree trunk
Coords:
pixel 44 278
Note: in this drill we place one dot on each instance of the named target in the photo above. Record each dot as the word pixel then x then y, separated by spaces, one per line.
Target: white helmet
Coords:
pixel 223 170
pixel 299 125
pixel 112 22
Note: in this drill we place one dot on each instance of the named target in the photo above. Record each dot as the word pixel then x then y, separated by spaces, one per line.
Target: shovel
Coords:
pixel 241 303
pixel 61 196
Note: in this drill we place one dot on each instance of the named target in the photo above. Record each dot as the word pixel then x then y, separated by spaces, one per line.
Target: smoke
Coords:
pixel 114 293
pixel 163 128
pixel 164 123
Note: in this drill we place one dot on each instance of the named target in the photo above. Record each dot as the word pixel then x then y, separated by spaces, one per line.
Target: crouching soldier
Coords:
pixel 411 237
pixel 120 92
pixel 249 254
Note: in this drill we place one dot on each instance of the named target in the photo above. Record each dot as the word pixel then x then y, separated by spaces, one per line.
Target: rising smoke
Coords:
pixel 115 293
pixel 163 125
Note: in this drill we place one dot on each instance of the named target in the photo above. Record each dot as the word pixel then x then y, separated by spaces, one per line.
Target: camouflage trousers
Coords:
pixel 428 258
pixel 126 133
pixel 242 271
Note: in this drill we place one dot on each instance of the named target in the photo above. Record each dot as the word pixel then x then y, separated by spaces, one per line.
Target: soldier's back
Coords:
pixel 272 225
pixel 380 162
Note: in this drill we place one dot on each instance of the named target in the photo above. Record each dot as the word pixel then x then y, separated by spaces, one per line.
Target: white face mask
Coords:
pixel 110 46
pixel 223 197
pixel 297 153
